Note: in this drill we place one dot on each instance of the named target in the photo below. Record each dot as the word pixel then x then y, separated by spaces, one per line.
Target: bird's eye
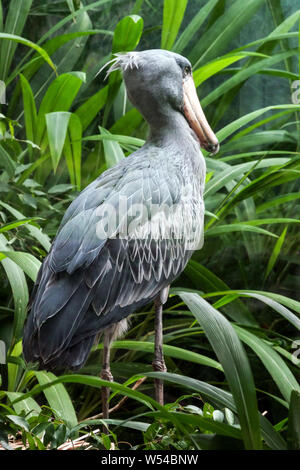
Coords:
pixel 187 70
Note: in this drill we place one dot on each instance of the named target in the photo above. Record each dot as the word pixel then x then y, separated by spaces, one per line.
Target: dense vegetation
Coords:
pixel 230 325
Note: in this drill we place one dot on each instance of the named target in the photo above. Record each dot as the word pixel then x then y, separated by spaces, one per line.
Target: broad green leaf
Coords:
pixel 241 227
pixel 277 201
pixel 208 70
pixel 27 262
pixel 172 17
pixel 60 188
pixel 168 350
pixel 235 364
pixel 275 365
pixel 57 125
pixel 203 278
pixel 121 139
pixel 276 301
pixel 19 421
pixel 91 107
pixel 59 97
pixel 19 289
pixel 58 398
pixel 17 223
pixel 30 113
pixel 112 150
pixel 244 120
pixel 29 405
pixel 72 150
pixel 130 121
pixel 91 381
pixel 127 34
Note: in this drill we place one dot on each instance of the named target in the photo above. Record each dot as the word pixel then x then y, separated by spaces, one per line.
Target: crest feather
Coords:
pixel 121 61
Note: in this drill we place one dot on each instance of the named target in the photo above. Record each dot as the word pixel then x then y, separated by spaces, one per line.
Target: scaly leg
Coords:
pixel 159 363
pixel 106 374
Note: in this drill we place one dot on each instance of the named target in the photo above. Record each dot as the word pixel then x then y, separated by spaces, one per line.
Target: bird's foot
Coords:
pixel 159 366
pixel 107 375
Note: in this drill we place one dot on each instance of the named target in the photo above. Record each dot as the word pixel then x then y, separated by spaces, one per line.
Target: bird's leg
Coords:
pixel 159 363
pixel 106 375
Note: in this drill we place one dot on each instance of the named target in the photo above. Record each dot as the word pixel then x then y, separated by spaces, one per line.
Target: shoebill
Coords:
pixel 129 233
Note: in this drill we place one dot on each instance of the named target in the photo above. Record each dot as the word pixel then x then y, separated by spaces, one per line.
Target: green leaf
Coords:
pixel 112 150
pixel 30 113
pixel 72 150
pixel 127 34
pixel 15 20
pixel 223 31
pixel 57 125
pixel 7 162
pixel 277 201
pixel 208 70
pixel 275 252
pixel 192 28
pixel 91 107
pixel 206 424
pixel 244 120
pixel 121 139
pixel 275 365
pixel 293 438
pixel 171 351
pixel 241 227
pixel 19 421
pixel 19 289
pixel 172 17
pixel 35 232
pixel 220 398
pixel 235 364
pixel 27 262
pixel 276 301
pixel 26 42
pixel 243 75
pixel 58 398
pixel 58 97
pixel 60 188
pixel 203 278
pixel 18 223
pixel 29 405
pixel 51 46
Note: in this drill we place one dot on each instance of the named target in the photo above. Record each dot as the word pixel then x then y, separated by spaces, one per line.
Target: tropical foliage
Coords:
pixel 230 325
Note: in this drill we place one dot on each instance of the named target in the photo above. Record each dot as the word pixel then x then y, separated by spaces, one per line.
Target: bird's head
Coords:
pixel 159 82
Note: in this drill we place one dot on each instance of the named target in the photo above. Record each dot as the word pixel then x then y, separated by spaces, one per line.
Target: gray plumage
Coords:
pixel 90 281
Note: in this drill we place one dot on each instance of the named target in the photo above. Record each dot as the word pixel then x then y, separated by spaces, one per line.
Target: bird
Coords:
pixel 131 232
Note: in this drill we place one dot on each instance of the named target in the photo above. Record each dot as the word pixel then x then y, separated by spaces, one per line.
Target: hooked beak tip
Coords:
pixel 212 148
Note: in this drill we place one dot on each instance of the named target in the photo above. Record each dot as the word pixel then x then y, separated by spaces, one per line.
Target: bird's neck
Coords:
pixel 172 130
